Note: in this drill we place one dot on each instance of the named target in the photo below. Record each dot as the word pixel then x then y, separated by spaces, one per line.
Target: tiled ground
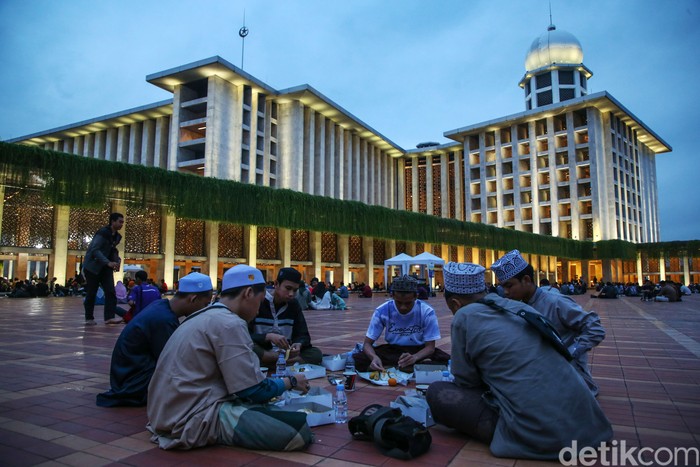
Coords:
pixel 51 367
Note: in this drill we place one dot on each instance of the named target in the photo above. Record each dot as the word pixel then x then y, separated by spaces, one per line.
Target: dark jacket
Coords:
pixel 102 250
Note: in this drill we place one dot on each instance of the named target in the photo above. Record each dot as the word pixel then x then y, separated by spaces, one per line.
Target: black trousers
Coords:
pixel 92 282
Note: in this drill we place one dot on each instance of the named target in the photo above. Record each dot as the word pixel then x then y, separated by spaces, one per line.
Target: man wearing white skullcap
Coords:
pixel 208 376
pixel 579 330
pixel 512 390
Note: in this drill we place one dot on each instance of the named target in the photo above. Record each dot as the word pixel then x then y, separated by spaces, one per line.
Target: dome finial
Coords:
pixel 551 26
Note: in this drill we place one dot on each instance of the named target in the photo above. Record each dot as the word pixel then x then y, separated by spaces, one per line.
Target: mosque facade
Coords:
pixel 572 165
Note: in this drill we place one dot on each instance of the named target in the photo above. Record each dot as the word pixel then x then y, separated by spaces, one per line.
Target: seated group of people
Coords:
pixel 199 379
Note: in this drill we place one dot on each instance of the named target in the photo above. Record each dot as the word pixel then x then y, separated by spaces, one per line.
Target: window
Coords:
pixel 566 77
pixel 543 80
pixel 544 98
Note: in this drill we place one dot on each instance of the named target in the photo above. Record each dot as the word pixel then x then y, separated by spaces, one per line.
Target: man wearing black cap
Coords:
pixel 410 329
pixel 281 324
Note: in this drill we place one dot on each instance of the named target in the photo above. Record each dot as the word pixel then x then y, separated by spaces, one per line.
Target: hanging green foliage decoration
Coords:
pixel 73 180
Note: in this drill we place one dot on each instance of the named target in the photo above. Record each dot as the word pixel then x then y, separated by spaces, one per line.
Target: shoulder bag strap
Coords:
pixel 538 322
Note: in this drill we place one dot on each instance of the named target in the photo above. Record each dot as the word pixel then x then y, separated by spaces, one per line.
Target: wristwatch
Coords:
pixel 292 381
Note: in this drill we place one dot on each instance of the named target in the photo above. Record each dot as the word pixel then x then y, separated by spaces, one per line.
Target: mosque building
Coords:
pixel 572 165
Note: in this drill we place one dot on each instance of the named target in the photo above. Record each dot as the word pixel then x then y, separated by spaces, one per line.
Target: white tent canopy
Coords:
pixel 402 259
pixel 426 258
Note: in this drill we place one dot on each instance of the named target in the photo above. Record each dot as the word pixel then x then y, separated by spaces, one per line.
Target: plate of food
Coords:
pixel 389 377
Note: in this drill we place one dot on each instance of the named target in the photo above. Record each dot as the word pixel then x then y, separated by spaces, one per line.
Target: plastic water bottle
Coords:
pixel 350 363
pixel 446 376
pixel 281 366
pixel 340 404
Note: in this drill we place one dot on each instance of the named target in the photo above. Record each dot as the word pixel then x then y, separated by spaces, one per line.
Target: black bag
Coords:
pixel 396 435
pixel 539 323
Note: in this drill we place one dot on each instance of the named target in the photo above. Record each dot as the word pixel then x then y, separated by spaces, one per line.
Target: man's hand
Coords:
pixel 302 383
pixel 376 364
pixel 406 359
pixel 277 339
pixel 294 350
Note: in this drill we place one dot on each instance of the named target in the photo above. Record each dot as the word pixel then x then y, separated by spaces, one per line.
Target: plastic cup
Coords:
pixel 350 377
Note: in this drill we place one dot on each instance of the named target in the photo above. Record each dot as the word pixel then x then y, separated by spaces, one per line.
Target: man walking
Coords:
pixel 101 260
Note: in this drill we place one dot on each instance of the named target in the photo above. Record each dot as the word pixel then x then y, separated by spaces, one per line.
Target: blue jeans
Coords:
pixel 92 282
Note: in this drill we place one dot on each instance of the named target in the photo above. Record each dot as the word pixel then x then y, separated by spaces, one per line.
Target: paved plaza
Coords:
pixel 52 366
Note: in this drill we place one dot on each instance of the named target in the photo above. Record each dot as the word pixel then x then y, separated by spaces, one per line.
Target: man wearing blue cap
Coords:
pixel 142 340
pixel 208 378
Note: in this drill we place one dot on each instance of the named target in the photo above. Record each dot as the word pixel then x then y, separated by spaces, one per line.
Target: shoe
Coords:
pixel 114 321
pixel 90 322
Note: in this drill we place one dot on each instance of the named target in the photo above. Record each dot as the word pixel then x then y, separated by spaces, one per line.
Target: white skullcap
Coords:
pixel 464 278
pixel 509 265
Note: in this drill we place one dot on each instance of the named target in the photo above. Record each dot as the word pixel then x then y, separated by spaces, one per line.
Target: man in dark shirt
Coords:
pixel 142 340
pixel 281 324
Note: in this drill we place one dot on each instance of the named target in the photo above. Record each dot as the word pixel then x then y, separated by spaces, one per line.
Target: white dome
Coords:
pixel 554 46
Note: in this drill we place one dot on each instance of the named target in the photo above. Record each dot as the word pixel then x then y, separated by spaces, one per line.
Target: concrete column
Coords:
pixel 662 266
pixel 347 165
pixel 161 138
pixel 339 164
pixel 686 270
pixel 309 148
pixel 607 270
pixel 357 173
pixel 460 254
pixel 89 145
pixel 250 237
pixel 444 185
pixel 100 142
pixel 400 185
pixel 414 185
pixel 315 246
pixel 123 143
pixel 329 159
pixel 364 157
pixel 111 139
pixel 148 139
pixel 368 252
pixel 319 175
pixel 290 142
pixel 344 253
pixel 459 189
pixel 59 259
pixel 78 145
pixel 372 192
pixel 285 246
pixel 429 194
pixel 2 205
pixel 211 248
pixel 119 206
pixel 135 141
pixel 21 269
pixel 640 272
pixel 67 145
pixel 168 245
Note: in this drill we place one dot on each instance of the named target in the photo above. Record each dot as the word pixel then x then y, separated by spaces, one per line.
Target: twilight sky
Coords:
pixel 411 69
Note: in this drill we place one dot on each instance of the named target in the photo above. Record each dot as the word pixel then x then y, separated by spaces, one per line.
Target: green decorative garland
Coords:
pixel 68 179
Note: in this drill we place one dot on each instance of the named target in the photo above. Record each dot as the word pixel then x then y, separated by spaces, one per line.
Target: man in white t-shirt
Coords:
pixel 410 329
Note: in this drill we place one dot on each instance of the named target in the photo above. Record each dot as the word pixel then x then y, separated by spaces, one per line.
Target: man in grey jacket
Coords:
pixel 512 390
pixel 101 260
pixel 579 330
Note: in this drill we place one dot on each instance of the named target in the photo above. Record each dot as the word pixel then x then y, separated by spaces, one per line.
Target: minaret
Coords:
pixel 554 69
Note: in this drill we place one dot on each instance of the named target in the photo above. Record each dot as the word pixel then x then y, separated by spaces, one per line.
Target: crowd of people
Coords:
pixel 195 360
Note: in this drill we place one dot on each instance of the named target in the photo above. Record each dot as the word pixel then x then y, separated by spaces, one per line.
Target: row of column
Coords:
pixel 144 143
